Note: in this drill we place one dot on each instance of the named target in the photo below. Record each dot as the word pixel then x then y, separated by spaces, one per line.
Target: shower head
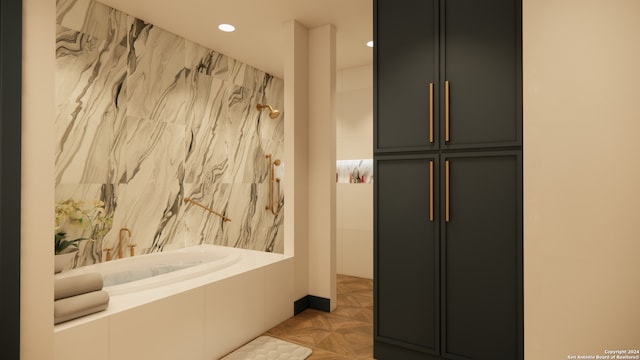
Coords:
pixel 273 113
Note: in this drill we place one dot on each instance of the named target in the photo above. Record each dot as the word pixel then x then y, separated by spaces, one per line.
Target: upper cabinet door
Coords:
pixel 406 75
pixel 481 67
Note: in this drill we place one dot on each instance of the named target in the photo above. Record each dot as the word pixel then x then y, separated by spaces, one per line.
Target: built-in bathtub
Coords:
pixel 157 269
pixel 197 303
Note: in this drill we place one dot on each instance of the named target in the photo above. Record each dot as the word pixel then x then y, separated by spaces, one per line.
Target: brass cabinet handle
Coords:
pixel 431 112
pixel 430 190
pixel 446 190
pixel 446 111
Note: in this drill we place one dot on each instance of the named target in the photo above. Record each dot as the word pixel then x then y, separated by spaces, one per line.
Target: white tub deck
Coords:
pixel 200 315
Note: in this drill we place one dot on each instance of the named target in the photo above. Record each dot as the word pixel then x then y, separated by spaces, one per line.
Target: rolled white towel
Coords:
pixel 65 287
pixel 77 306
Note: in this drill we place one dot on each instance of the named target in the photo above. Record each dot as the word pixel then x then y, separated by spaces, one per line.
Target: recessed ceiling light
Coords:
pixel 370 43
pixel 227 27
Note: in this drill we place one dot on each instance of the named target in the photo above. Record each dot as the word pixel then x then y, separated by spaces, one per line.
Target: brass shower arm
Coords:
pixel 260 107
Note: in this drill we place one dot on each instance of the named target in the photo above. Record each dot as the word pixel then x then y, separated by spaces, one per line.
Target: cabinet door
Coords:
pixel 406 255
pixel 482 63
pixel 482 256
pixel 406 63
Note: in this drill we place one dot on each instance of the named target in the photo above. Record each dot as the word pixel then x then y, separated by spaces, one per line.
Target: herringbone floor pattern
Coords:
pixel 344 334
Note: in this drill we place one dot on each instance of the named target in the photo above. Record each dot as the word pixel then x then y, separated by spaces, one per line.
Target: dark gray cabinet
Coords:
pixel 481 62
pixel 481 256
pixel 407 42
pixel 448 74
pixel 449 256
pixel 448 189
pixel 408 268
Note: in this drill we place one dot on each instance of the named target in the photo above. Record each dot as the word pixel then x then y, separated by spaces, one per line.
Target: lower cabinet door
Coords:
pixel 406 255
pixel 448 257
pixel 481 252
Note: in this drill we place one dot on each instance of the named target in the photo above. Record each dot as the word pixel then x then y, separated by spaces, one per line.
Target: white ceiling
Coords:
pixel 258 39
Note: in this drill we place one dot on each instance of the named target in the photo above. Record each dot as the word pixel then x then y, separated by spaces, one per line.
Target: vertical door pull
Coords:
pixel 431 113
pixel 430 190
pixel 446 111
pixel 446 190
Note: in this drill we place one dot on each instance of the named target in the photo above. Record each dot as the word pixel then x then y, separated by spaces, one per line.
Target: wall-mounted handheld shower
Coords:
pixel 273 113
pixel 272 178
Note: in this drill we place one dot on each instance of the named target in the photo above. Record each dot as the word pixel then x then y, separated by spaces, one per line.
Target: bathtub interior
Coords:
pixel 151 270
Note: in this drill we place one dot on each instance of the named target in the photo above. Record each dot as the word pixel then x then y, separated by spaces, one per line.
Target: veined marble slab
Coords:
pixel 90 101
pixel 146 118
pixel 93 18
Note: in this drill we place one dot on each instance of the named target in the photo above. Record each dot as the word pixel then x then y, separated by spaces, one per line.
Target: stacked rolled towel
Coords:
pixel 77 296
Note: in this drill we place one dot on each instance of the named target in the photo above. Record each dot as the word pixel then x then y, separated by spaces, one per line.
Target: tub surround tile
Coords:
pixel 89 251
pixel 206 61
pixel 199 223
pixel 237 130
pixel 155 118
pixel 89 81
pixel 73 13
pixel 156 73
pixel 106 23
pixel 207 141
pixel 93 18
pixel 154 151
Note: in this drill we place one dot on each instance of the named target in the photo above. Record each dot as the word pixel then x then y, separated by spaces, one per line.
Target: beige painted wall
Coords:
pixel 581 177
pixel 581 183
pixel 296 84
pixel 354 202
pixel 354 117
pixel 38 88
pixel 322 162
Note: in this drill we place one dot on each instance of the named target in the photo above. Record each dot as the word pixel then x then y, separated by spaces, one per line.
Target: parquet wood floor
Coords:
pixel 344 334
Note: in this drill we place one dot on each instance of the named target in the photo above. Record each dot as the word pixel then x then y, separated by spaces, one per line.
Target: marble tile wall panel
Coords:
pixel 354 169
pixel 206 61
pixel 94 19
pixel 89 251
pixel 90 102
pixel 146 118
pixel 156 73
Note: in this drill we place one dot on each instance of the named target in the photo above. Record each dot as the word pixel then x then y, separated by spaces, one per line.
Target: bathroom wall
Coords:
pixel 145 118
pixel 354 143
pixel 581 176
pixel 37 194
